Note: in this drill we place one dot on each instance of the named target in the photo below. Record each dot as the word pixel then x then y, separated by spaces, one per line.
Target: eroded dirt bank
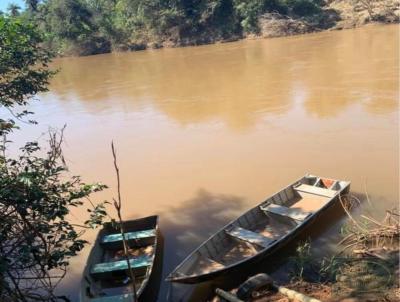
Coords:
pixel 337 15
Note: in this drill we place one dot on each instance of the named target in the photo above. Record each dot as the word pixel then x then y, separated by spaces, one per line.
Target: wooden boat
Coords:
pixel 106 276
pixel 261 230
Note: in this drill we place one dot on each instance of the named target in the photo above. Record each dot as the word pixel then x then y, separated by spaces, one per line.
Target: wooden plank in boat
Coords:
pixel 128 236
pixel 316 190
pixel 295 214
pixel 250 236
pixel 104 268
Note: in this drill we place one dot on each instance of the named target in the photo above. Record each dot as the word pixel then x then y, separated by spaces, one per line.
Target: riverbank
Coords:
pixel 82 28
pixel 335 15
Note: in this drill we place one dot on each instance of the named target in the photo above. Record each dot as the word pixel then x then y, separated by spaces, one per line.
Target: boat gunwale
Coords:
pixel 150 270
pixel 188 279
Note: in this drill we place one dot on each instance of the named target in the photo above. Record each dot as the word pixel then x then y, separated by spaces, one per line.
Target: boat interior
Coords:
pixel 262 226
pixel 107 274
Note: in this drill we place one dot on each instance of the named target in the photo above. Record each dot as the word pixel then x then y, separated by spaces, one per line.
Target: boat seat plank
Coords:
pixel 316 190
pixel 250 236
pixel 111 238
pixel 295 214
pixel 136 263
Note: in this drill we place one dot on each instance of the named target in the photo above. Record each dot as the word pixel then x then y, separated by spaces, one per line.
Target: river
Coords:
pixel 203 133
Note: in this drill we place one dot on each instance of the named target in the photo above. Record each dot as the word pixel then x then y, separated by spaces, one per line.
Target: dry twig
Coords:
pixel 367 239
pixel 118 206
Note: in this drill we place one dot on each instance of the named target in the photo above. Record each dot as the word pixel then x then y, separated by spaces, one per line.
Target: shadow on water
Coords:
pixel 71 287
pixel 187 226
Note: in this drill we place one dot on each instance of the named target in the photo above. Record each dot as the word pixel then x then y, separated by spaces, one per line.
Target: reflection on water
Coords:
pixel 326 72
pixel 240 119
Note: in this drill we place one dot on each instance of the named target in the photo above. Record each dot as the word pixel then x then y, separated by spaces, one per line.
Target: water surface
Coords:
pixel 203 133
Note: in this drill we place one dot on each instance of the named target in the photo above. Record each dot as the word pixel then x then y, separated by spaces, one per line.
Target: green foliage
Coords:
pixel 32 5
pixel 72 28
pixel 69 19
pixel 36 237
pixel 304 7
pixel 85 27
pixel 302 260
pixel 250 11
pixel 23 67
pixel 36 193
pixel 329 268
pixel 306 267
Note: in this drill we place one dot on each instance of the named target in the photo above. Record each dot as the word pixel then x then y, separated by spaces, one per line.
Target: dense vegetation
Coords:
pixel 85 27
pixel 36 191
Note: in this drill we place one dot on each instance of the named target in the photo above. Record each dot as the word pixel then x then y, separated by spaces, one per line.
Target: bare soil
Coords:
pixel 337 14
pixel 354 13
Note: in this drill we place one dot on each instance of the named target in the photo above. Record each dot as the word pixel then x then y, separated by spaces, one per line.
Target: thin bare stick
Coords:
pixel 118 206
pixel 366 194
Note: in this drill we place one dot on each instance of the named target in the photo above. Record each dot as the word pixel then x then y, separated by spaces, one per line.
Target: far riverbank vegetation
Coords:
pixel 86 27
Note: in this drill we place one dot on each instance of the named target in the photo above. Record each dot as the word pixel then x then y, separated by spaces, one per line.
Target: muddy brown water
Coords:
pixel 203 133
